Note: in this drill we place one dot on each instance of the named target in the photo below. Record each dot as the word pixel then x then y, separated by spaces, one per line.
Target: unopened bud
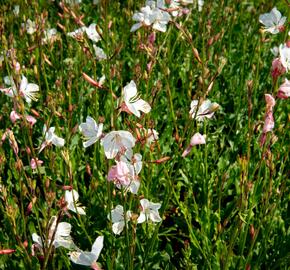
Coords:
pixel 28 151
pixel 7 251
pixel 67 188
pixel 252 231
pixel 210 42
pixel 162 160
pixel 88 169
pixel 196 54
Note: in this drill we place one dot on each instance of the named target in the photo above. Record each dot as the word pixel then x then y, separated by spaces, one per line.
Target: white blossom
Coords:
pixel 272 21
pixel 149 211
pixel 71 198
pixel 117 141
pixel 132 100
pixel 88 258
pixel 91 131
pixel 118 219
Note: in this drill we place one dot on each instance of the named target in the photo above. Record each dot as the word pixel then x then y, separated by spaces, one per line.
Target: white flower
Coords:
pixel 206 109
pixel 51 138
pixel 117 141
pixel 134 163
pixel 118 219
pixel 186 2
pixel 78 33
pixel 132 100
pixel 275 51
pixel 92 33
pixel 91 131
pixel 88 258
pixel 285 56
pixel 133 160
pixel 30 27
pixel 273 21
pixel 151 135
pixel 28 90
pixel 73 2
pixel 156 4
pixel 62 236
pixel 58 233
pixel 151 14
pixel 161 19
pixel 99 52
pixel 49 35
pixel 200 4
pixel 16 10
pixel 149 211
pixel 145 17
pixel 10 91
pixel 72 197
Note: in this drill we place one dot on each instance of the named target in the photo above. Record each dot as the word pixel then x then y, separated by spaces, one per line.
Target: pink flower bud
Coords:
pixel 7 251
pixel 284 90
pixel 277 68
pixel 110 24
pixel 196 139
pixel 14 116
pixel 152 38
pixel 269 122
pixel 67 188
pixel 185 11
pixel 34 163
pixel 270 101
pixel 30 119
pixel 17 67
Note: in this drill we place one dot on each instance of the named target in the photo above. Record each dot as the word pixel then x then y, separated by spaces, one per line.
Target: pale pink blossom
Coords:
pixel 120 174
pixel 277 68
pixel 30 119
pixel 14 116
pixel 17 67
pixel 34 163
pixel 284 90
pixel 270 102
pixel 125 175
pixel 269 121
pixel 12 141
pixel 196 139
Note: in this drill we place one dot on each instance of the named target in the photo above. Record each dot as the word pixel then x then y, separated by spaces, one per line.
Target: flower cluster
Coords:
pixel 274 23
pixel 157 14
pixel 119 145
